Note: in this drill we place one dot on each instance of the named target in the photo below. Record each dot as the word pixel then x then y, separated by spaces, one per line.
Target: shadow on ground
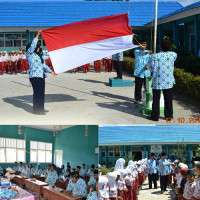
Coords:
pixel 188 104
pixel 94 81
pixel 24 102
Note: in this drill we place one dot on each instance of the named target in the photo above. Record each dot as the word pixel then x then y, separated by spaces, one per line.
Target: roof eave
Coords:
pixel 144 143
pixel 178 16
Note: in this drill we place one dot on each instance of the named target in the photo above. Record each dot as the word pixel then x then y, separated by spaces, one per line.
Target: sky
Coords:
pixel 182 2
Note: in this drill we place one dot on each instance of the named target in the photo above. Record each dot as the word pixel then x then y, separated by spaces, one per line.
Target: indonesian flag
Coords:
pixel 76 44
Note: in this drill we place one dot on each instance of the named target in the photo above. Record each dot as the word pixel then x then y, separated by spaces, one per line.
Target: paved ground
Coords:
pixel 155 194
pixel 79 99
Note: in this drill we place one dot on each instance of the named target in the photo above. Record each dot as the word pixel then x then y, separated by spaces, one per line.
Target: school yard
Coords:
pixel 81 98
pixel 154 194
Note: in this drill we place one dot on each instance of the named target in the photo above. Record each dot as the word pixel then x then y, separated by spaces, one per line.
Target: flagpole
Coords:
pixel 155 25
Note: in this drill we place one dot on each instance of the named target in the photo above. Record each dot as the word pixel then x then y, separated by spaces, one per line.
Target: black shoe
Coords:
pixel 116 78
pixel 40 113
pixel 46 111
pixel 137 102
pixel 151 118
pixel 162 192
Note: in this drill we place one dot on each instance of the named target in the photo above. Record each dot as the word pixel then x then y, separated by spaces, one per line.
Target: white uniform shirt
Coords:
pixel 121 184
pixel 189 190
pixel 17 57
pixel 5 58
pixel 1 58
pixel 13 58
pixel 197 189
pixel 23 57
pixel 8 58
pixel 179 179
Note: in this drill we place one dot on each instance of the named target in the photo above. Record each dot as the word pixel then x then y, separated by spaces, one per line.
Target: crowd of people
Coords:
pixel 16 62
pixel 74 178
pixel 126 182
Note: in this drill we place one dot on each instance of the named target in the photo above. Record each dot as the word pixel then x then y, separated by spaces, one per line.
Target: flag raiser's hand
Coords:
pixel 38 34
pixel 53 73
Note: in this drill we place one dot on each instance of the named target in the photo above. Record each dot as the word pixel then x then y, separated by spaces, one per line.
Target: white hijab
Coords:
pixel 103 188
pixel 111 176
pixel 119 164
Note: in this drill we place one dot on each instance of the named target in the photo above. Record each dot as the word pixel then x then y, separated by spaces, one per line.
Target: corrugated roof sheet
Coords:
pixel 148 134
pixel 55 13
pixel 194 5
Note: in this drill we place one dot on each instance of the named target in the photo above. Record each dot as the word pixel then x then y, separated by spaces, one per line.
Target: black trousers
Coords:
pixel 38 85
pixel 138 87
pixel 118 68
pixel 163 182
pixel 152 178
pixel 168 103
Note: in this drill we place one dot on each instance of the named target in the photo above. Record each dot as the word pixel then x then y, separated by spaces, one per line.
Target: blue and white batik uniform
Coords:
pixel 51 178
pixel 162 67
pixel 115 56
pixel 151 166
pixel 70 185
pixel 21 168
pixel 80 188
pixel 7 194
pixel 89 173
pixel 163 167
pixel 39 172
pixel 92 196
pixel 16 168
pixel 141 61
pixel 36 68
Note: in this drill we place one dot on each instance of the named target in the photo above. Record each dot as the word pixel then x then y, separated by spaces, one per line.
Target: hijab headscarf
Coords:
pixel 111 176
pixel 119 164
pixel 103 187
pixel 122 172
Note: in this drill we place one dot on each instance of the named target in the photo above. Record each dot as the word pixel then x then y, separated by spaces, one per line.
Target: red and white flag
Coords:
pixel 76 44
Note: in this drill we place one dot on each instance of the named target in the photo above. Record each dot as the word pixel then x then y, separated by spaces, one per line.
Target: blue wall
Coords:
pixel 31 134
pixel 78 148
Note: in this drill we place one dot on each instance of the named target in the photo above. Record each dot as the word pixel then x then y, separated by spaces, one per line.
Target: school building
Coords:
pixel 21 19
pixel 138 142
pixel 48 145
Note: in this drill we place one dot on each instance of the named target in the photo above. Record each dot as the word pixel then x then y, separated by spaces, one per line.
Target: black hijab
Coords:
pixel 40 53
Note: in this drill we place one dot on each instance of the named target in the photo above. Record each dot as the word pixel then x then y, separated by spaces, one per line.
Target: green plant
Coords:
pixel 180 151
pixel 187 84
pixel 189 64
pixel 105 170
pixel 128 64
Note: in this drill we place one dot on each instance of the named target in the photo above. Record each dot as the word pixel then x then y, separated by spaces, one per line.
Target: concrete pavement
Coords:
pixel 81 98
pixel 155 194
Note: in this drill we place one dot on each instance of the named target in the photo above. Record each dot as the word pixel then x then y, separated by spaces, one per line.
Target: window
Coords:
pixel 114 152
pixel 41 152
pixel 103 152
pixel 12 150
pixel 12 40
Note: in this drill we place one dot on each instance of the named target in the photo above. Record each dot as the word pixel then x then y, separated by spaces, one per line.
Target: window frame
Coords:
pixel 16 148
pixel 45 151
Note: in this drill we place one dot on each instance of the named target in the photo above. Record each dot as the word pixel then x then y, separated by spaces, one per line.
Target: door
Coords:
pixel 58 158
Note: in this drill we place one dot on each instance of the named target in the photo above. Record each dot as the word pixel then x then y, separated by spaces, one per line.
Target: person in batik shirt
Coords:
pixel 162 66
pixel 94 195
pixel 141 61
pixel 189 186
pixel 52 176
pixel 196 194
pixel 78 187
pixel 93 180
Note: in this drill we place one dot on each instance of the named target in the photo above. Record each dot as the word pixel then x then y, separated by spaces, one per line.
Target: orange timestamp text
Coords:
pixel 182 120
